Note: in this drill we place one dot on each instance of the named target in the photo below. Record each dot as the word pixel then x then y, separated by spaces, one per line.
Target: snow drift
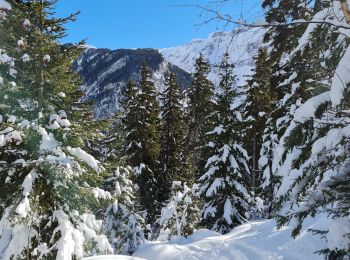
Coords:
pixel 253 240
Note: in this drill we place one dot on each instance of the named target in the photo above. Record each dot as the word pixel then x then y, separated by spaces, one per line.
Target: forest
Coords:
pixel 175 160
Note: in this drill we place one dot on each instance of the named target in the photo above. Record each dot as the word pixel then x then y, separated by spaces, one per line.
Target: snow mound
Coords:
pixel 113 257
pixel 253 240
pixel 5 5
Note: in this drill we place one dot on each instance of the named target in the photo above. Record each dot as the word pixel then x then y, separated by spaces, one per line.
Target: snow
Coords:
pixel 48 141
pixel 241 43
pixel 228 211
pixel 101 194
pixel 23 208
pixel 47 58
pixel 341 79
pixel 20 43
pixel 338 230
pixel 85 157
pixel 113 257
pixel 5 5
pixel 26 23
pixel 307 111
pixel 25 58
pixel 253 240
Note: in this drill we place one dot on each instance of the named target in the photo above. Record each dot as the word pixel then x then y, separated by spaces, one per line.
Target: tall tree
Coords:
pixel 50 180
pixel 313 157
pixel 258 106
pixel 143 139
pixel 200 108
pixel 223 185
pixel 173 129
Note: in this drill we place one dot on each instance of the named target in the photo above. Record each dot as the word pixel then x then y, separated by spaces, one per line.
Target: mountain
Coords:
pixel 241 43
pixel 104 72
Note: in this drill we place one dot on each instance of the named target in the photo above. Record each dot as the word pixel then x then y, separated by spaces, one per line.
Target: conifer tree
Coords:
pixel 142 140
pixel 223 185
pixel 50 181
pixel 312 158
pixel 283 39
pixel 257 108
pixel 173 131
pixel 200 108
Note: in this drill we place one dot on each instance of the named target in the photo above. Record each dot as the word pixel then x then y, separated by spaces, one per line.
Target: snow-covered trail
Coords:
pixel 254 240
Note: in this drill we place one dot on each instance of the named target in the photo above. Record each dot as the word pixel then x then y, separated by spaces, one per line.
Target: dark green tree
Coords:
pixel 258 106
pixel 143 140
pixel 49 182
pixel 199 114
pixel 224 183
pixel 173 130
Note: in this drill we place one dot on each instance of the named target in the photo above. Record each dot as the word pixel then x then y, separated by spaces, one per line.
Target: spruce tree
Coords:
pixel 173 131
pixel 142 139
pixel 49 180
pixel 200 108
pixel 283 39
pixel 313 156
pixel 257 108
pixel 223 184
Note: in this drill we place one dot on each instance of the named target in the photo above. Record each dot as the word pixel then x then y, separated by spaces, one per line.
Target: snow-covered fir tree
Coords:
pixel 312 158
pixel 199 112
pixel 282 39
pixel 173 130
pixel 143 140
pixel 124 225
pixel 180 216
pixel 47 208
pixel 258 106
pixel 224 184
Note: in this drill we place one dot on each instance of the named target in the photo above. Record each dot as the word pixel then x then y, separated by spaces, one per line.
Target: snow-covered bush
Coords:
pixel 180 215
pixel 123 223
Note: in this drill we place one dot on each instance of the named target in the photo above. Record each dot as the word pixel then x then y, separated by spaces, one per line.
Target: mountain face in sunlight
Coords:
pixel 241 44
pixel 105 72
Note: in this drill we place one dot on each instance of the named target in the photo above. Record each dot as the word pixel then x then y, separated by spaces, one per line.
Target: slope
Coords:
pixel 241 43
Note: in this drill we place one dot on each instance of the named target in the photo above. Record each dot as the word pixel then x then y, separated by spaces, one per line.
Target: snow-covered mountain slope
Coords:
pixel 242 44
pixel 259 240
pixel 104 73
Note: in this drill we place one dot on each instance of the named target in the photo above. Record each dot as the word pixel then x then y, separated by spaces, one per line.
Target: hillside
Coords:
pixel 104 72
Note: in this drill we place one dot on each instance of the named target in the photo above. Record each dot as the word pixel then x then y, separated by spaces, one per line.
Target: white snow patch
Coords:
pixel 253 240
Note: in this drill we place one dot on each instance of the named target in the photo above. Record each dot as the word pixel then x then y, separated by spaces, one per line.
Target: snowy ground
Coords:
pixel 254 240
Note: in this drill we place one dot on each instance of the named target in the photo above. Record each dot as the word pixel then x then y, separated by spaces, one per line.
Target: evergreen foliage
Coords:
pixel 180 216
pixel 173 129
pixel 50 183
pixel 224 183
pixel 200 108
pixel 124 225
pixel 143 140
pixel 258 106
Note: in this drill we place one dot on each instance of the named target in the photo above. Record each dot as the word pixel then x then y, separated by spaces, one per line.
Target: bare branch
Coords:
pixel 228 19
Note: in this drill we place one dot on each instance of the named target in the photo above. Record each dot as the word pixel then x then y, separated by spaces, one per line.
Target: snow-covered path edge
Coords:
pixel 253 240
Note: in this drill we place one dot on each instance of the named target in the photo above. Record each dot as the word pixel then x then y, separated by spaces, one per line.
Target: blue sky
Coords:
pixel 146 23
